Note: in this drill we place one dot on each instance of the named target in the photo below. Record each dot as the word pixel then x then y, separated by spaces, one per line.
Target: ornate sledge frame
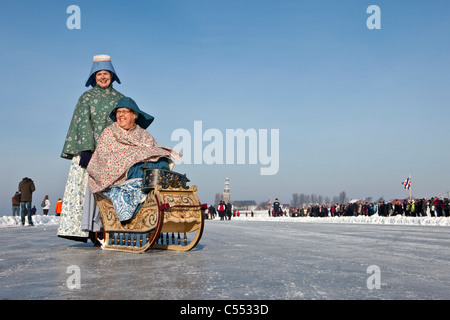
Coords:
pixel 170 213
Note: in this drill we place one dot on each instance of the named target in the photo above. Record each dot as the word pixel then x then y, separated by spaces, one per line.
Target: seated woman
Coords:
pixel 122 149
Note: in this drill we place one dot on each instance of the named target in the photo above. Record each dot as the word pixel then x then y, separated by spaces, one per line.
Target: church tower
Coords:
pixel 226 191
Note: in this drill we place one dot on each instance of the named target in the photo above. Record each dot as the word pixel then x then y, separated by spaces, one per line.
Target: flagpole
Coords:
pixel 410 185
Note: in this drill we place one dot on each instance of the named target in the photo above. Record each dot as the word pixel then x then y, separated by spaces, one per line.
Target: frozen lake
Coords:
pixel 237 260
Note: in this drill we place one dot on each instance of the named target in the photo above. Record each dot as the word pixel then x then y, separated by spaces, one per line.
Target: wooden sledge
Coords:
pixel 183 218
pixel 171 218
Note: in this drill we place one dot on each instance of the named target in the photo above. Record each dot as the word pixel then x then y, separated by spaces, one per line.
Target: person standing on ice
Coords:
pixel 276 208
pixel 58 207
pixel 90 118
pixel 221 210
pixel 26 189
pixel 212 211
pixel 46 206
pixel 228 209
pixel 16 204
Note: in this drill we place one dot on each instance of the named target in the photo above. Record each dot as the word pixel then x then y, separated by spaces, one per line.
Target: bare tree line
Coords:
pixel 299 199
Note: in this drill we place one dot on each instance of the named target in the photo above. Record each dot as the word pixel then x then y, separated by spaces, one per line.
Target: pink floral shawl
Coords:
pixel 118 150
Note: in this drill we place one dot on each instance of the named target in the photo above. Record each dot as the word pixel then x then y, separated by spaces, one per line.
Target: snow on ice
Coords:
pixel 9 221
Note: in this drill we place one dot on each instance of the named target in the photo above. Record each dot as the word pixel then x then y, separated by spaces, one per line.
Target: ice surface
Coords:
pixel 245 258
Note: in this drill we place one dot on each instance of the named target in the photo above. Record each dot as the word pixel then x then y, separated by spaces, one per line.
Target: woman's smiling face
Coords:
pixel 103 78
pixel 125 118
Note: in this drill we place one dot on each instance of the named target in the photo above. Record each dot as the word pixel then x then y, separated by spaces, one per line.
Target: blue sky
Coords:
pixel 357 110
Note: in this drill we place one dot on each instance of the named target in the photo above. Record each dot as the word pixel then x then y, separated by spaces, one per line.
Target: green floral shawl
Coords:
pixel 90 118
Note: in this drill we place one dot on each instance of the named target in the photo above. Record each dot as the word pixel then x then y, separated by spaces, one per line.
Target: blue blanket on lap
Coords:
pixel 127 197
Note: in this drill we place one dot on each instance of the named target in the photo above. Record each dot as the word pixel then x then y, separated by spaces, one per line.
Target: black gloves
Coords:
pixel 85 158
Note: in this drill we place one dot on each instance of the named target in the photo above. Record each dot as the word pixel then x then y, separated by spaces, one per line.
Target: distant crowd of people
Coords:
pixel 224 211
pixel 434 207
pixel 22 201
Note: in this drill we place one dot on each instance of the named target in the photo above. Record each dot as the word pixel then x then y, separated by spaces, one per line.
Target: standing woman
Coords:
pixel 47 206
pixel 90 118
